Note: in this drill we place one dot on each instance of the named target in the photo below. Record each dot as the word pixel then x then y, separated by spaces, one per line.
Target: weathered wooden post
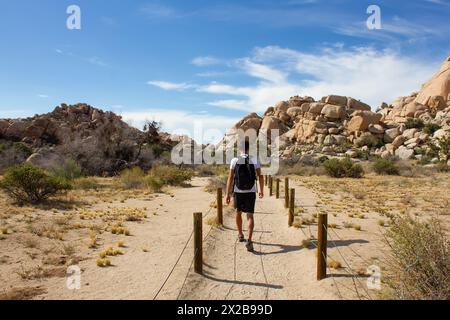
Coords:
pixel 277 189
pixel 286 192
pixel 219 207
pixel 322 247
pixel 270 185
pixel 265 180
pixel 198 242
pixel 291 207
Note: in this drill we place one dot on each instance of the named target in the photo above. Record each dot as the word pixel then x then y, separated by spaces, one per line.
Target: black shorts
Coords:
pixel 245 202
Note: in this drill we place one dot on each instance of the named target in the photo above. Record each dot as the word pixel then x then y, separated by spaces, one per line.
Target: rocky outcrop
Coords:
pixel 99 141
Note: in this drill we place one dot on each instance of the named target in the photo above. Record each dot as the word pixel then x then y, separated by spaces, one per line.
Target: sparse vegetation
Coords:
pixel 69 171
pixel 28 184
pixel 172 175
pixel 419 264
pixel 343 168
pixel 385 167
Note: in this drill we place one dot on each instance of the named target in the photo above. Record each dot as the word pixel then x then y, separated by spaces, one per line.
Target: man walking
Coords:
pixel 244 173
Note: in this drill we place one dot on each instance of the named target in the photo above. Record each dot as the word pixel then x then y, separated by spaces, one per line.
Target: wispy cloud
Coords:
pixel 170 85
pixel 205 61
pixel 371 75
pixel 439 2
pixel 43 96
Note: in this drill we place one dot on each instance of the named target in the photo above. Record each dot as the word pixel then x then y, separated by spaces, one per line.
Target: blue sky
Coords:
pixel 214 61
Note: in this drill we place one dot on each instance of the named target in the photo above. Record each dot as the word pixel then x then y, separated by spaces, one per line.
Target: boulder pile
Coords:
pixel 99 141
pixel 343 125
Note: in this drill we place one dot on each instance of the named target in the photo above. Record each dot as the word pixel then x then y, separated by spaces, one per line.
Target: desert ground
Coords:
pixel 136 244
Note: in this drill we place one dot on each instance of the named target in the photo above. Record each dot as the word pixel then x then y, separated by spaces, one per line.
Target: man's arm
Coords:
pixel 261 182
pixel 229 186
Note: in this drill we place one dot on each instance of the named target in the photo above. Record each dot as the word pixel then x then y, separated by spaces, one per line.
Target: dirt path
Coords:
pixel 280 268
pixel 138 274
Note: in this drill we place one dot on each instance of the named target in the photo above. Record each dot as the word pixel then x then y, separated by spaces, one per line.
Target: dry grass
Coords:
pixel 22 293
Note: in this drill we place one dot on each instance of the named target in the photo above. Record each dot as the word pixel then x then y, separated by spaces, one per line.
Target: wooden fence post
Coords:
pixel 270 185
pixel 286 193
pixel 322 247
pixel 291 207
pixel 265 180
pixel 277 189
pixel 198 242
pixel 219 207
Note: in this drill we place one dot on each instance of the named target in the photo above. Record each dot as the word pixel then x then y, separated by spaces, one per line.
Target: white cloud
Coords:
pixel 205 61
pixel 212 127
pixel 169 85
pixel 97 61
pixel 43 96
pixel 370 75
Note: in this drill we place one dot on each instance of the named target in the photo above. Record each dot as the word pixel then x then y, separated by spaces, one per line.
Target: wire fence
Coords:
pixel 179 259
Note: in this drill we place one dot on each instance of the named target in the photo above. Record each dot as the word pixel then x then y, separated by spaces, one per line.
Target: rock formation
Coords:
pixel 99 141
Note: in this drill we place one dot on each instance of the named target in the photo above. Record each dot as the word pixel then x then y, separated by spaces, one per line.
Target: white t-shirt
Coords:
pixel 255 162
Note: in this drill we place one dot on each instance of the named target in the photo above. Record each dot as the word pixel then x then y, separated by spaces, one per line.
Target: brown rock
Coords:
pixel 16 130
pixel 336 100
pixel 333 111
pixel 362 119
pixel 294 112
pixel 316 107
pixel 439 85
pixel 437 102
pixel 357 105
pixel 3 126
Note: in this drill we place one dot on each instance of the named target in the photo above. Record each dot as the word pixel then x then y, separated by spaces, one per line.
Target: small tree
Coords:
pixel 383 166
pixel 28 184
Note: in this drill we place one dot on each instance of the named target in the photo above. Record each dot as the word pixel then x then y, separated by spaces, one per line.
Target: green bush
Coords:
pixel 132 178
pixel 431 128
pixel 172 175
pixel 440 148
pixel 2 147
pixel 419 263
pixel 385 167
pixel 28 184
pixel 343 168
pixel 414 124
pixel 69 171
pixel 368 140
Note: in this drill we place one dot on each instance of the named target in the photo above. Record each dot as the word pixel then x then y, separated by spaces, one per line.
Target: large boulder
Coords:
pixel 353 104
pixel 273 123
pixel 16 130
pixel 316 107
pixel 404 153
pixel 334 112
pixel 282 106
pixel 294 112
pixel 362 119
pixel 391 134
pixel 439 85
pixel 250 121
pixel 336 100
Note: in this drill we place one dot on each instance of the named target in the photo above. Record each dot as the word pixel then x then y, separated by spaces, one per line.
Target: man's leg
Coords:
pixel 251 226
pixel 239 222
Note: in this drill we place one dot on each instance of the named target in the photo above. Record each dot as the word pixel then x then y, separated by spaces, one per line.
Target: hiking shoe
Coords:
pixel 249 246
pixel 241 238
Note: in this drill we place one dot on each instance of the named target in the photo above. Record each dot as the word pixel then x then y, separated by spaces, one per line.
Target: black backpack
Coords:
pixel 244 173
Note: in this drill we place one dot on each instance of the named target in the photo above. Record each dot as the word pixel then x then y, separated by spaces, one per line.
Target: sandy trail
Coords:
pixel 138 274
pixel 280 268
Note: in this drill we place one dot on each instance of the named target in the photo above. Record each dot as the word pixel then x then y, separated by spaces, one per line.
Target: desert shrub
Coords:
pixel 431 128
pixel 385 167
pixel 2 147
pixel 369 141
pixel 22 147
pixel 343 168
pixel 86 183
pixel 28 184
pixel 132 178
pixel 419 263
pixel 206 170
pixel 414 124
pixel 441 147
pixel 172 175
pixel 215 183
pixel 153 183
pixel 69 170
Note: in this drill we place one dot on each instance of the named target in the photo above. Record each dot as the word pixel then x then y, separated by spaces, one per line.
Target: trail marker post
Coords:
pixel 198 242
pixel 270 185
pixel 286 193
pixel 322 247
pixel 219 207
pixel 291 207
